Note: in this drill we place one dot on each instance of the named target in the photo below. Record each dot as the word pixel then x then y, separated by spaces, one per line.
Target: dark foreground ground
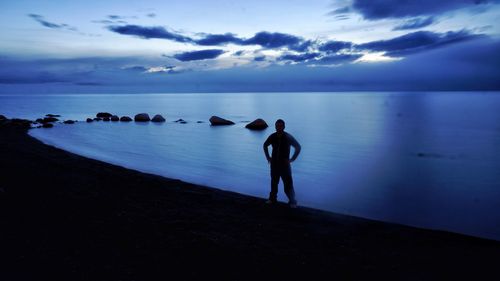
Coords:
pixel 66 217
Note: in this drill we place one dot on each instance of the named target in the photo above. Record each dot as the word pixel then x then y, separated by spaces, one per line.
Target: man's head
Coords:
pixel 280 126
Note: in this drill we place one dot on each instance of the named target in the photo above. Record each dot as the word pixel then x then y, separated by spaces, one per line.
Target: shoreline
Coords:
pixel 81 219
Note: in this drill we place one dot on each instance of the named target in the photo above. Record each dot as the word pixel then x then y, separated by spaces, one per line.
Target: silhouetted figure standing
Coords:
pixel 280 162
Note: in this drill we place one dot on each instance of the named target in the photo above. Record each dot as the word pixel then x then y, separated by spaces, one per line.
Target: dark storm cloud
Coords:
pixel 334 46
pixel 218 39
pixel 272 40
pixel 299 58
pixel 41 20
pixel 417 42
pixel 415 23
pixel 149 32
pixel 199 55
pixel 380 9
pixel 268 40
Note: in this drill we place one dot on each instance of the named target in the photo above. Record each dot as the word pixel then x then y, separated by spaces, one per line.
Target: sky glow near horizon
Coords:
pixel 97 46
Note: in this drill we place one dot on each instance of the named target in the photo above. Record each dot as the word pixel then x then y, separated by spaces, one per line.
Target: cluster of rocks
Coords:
pixel 141 117
pixel 49 119
pixel 104 116
pixel 257 124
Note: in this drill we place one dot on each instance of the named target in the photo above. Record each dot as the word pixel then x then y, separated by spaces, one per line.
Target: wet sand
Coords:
pixel 67 217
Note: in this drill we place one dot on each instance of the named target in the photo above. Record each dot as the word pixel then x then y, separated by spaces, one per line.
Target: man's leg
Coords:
pixel 286 175
pixel 275 179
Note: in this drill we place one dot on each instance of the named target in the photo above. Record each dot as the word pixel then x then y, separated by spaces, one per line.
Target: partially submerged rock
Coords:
pixel 104 114
pixel 158 118
pixel 47 125
pixel 142 117
pixel 106 119
pixel 52 115
pixel 115 118
pixel 69 122
pixel 48 120
pixel 89 120
pixel 97 119
pixel 257 124
pixel 125 119
pixel 217 121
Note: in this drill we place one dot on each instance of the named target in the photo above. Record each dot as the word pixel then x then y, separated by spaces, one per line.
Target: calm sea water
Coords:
pixel 426 159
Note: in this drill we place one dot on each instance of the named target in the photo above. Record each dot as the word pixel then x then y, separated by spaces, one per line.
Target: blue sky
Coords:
pixel 191 46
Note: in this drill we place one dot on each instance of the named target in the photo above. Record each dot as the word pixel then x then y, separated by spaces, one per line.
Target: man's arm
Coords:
pixel 266 151
pixel 296 146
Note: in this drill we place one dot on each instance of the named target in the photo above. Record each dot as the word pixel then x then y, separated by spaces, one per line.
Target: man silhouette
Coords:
pixel 280 162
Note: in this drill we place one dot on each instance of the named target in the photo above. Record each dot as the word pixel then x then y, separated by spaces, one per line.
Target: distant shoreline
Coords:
pixel 76 218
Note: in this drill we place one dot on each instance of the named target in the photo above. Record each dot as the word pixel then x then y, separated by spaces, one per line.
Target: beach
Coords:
pixel 67 217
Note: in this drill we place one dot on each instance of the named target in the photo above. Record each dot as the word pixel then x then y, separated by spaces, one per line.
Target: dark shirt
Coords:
pixel 281 147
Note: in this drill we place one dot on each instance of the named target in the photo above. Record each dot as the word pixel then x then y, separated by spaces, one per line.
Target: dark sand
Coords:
pixel 66 217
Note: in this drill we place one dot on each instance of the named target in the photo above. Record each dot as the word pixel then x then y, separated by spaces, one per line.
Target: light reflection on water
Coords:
pixel 423 159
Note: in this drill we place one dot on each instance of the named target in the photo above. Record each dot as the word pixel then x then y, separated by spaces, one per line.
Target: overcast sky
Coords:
pixel 232 46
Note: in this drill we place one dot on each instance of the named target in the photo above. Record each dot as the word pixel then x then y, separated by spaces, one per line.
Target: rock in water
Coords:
pixel 89 120
pixel 103 114
pixel 217 121
pixel 158 118
pixel 257 124
pixel 125 119
pixel 142 117
pixel 69 122
pixel 115 118
pixel 52 115
pixel 105 119
pixel 49 119
pixel 47 125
